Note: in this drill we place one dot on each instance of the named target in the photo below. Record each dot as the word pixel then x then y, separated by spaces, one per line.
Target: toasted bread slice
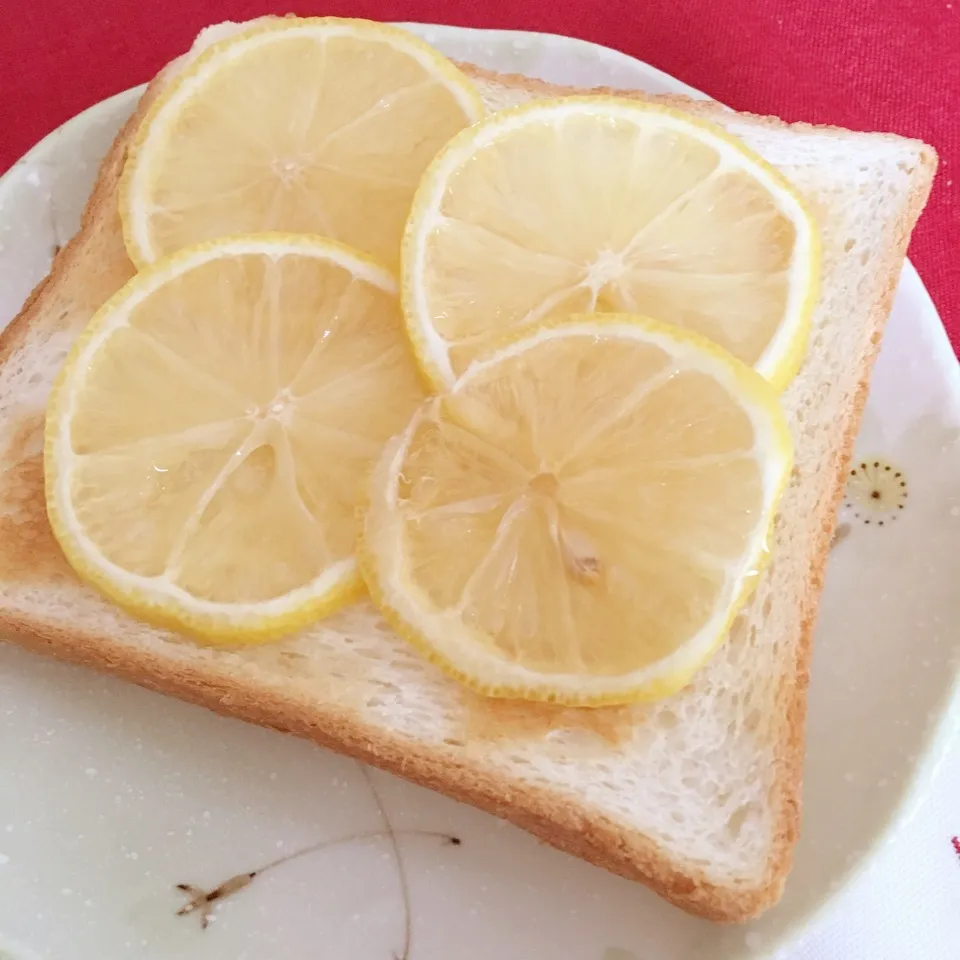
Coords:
pixel 698 797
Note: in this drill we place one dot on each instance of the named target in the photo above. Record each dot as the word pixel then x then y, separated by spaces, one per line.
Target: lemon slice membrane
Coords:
pixel 209 435
pixel 609 205
pixel 581 517
pixel 318 125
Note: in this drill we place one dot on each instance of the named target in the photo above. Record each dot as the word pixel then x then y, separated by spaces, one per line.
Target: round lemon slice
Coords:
pixel 579 519
pixel 607 205
pixel 319 126
pixel 209 436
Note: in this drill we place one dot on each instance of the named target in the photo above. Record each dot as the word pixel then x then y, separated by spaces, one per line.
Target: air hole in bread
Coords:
pixel 849 245
pixel 667 719
pixel 524 762
pixel 738 818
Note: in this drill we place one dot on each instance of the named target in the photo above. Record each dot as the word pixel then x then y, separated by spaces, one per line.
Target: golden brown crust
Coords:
pixel 213 685
pixel 538 88
pixel 793 693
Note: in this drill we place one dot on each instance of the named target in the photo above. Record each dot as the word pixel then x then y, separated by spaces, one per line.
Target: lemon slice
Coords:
pixel 319 126
pixel 607 205
pixel 580 518
pixel 209 435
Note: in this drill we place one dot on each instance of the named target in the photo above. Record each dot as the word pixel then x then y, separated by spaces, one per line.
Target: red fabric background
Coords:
pixel 866 64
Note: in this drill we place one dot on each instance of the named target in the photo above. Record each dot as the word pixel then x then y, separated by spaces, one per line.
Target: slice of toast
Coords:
pixel 698 797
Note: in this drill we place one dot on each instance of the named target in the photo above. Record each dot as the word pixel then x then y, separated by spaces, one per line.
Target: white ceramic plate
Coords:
pixel 110 795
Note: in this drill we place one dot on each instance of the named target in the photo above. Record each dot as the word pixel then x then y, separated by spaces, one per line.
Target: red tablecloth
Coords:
pixel 866 64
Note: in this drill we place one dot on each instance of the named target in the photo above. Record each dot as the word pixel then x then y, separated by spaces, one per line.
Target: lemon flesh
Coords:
pixel 579 519
pixel 209 436
pixel 606 205
pixel 320 126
